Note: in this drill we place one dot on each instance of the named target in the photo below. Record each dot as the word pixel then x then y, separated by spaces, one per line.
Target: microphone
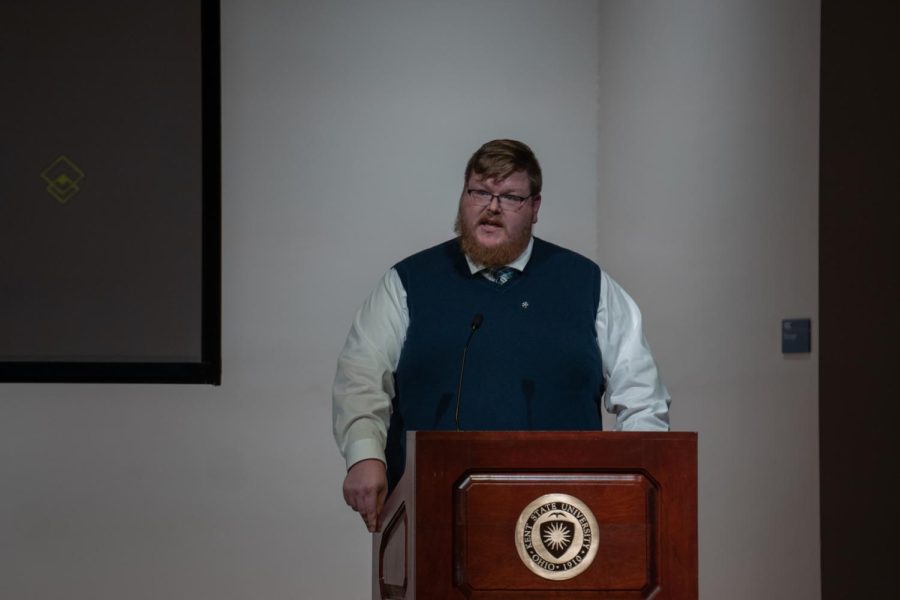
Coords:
pixel 477 320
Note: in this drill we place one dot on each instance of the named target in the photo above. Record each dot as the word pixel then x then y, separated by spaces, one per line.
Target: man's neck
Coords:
pixel 518 264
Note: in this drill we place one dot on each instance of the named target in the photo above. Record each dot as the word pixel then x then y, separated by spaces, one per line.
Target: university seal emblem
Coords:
pixel 556 536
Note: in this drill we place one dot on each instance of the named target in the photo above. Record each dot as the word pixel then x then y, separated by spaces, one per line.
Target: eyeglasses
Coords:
pixel 508 202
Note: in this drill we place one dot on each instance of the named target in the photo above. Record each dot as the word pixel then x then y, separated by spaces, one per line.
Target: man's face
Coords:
pixel 491 235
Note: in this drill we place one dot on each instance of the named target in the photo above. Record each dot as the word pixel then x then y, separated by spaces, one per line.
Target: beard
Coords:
pixel 494 256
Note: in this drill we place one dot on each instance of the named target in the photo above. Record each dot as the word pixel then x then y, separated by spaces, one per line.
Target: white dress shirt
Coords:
pixel 364 383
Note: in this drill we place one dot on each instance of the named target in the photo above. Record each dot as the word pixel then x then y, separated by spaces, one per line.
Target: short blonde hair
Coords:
pixel 498 159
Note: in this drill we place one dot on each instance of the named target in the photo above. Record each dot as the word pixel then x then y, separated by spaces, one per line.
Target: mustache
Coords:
pixel 490 221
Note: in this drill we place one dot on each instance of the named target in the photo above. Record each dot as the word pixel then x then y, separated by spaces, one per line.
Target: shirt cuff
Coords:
pixel 362 450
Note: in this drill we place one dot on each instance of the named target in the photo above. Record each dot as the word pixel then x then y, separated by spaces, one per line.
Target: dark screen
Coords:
pixel 101 181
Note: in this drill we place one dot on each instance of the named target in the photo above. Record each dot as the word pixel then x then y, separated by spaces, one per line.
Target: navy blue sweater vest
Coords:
pixel 533 365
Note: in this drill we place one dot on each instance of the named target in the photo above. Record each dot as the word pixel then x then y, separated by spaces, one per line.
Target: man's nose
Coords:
pixel 494 205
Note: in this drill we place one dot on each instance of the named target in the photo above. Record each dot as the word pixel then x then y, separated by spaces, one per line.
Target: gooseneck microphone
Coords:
pixel 477 320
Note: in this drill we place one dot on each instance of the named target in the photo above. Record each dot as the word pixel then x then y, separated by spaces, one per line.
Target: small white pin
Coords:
pixel 525 304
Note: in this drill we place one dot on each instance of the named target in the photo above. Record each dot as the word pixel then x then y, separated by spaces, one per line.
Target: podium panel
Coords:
pixel 488 506
pixel 541 515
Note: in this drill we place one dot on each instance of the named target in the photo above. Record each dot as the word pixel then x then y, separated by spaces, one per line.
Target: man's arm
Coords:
pixel 362 393
pixel 634 392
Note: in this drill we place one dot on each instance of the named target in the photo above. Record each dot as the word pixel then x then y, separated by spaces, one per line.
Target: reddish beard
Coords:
pixel 494 256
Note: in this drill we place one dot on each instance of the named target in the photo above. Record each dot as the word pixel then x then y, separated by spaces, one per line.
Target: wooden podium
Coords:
pixel 541 515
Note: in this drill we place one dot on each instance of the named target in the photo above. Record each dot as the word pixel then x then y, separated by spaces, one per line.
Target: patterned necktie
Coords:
pixel 502 275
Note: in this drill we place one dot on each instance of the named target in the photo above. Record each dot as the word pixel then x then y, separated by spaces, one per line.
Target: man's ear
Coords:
pixel 535 207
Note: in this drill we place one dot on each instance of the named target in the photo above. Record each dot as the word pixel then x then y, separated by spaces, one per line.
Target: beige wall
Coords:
pixel 345 129
pixel 708 214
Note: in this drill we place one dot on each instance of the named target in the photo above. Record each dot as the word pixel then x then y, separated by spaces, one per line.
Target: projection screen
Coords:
pixel 110 209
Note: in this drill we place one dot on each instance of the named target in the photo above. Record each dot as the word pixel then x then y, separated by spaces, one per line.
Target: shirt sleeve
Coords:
pixel 364 381
pixel 634 392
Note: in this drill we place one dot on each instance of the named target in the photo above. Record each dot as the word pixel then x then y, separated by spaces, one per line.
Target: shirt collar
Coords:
pixel 518 264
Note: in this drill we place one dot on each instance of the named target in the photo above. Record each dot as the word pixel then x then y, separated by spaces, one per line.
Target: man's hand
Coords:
pixel 365 487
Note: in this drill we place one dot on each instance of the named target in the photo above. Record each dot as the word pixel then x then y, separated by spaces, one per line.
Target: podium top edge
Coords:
pixel 554 435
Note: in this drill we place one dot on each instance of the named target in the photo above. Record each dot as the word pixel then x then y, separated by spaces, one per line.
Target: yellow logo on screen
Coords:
pixel 62 177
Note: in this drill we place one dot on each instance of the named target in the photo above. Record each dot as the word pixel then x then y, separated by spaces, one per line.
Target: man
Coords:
pixel 554 333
